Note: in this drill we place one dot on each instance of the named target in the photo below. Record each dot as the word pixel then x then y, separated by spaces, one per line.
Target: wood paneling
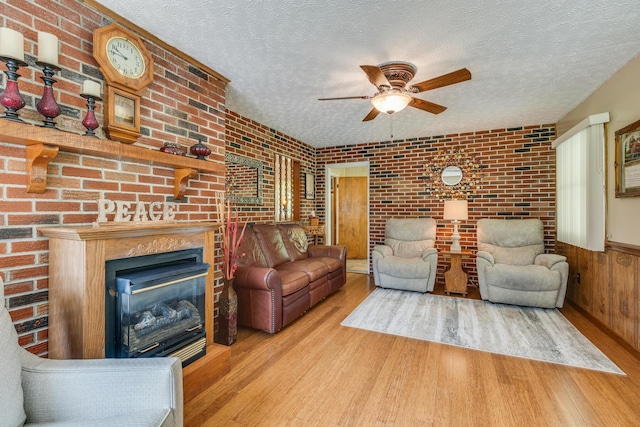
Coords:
pixel 623 278
pixel 608 287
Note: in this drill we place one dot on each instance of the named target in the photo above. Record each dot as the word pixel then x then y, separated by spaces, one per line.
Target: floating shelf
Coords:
pixel 43 145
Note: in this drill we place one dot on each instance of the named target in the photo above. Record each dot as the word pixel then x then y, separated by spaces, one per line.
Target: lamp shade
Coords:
pixel 456 210
pixel 391 102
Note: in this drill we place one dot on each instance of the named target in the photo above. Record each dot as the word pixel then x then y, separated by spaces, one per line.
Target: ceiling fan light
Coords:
pixel 391 102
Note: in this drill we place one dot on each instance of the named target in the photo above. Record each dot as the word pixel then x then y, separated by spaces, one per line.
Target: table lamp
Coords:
pixel 455 210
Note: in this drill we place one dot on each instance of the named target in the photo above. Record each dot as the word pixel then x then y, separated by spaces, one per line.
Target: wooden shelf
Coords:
pixel 43 145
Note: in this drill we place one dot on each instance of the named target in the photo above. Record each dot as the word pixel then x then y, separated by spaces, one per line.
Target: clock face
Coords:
pixel 125 57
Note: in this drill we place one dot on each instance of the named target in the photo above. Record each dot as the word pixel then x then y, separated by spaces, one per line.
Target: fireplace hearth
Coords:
pixel 155 306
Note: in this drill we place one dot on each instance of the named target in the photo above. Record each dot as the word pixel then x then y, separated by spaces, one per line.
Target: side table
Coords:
pixel 315 231
pixel 455 278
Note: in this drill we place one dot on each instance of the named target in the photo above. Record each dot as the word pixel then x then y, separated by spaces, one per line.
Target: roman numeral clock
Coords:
pixel 128 69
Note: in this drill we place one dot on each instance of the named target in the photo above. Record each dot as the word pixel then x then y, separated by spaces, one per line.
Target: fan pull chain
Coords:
pixel 391 126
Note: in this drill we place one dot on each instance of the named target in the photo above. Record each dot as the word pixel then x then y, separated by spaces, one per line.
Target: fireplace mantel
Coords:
pixel 42 145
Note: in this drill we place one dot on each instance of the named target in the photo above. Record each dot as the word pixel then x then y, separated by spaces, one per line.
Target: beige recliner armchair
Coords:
pixel 513 268
pixel 408 259
pixel 105 392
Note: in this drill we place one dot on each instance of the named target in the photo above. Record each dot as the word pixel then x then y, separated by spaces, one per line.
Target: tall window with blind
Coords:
pixel 580 184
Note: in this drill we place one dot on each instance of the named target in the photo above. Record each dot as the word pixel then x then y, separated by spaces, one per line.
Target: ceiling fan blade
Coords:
pixel 372 115
pixel 427 106
pixel 445 80
pixel 346 97
pixel 376 77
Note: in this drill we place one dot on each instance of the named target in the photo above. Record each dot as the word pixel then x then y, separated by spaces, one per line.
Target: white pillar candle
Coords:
pixel 47 48
pixel 91 88
pixel 11 44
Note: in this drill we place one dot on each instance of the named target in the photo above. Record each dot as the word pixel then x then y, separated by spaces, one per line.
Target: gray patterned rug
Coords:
pixel 532 333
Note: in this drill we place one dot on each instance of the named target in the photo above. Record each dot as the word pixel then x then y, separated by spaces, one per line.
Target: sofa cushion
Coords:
pixel 292 281
pixel 311 267
pixel 272 245
pixel 332 263
pixel 250 250
pixel 295 240
pixel 11 403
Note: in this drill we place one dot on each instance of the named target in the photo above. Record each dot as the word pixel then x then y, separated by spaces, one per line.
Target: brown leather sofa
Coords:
pixel 280 276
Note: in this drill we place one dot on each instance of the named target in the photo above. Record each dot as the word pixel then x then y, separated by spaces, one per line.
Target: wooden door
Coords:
pixel 352 216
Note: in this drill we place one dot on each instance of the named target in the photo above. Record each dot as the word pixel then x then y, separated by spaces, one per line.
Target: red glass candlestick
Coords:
pixel 90 122
pixel 10 98
pixel 48 106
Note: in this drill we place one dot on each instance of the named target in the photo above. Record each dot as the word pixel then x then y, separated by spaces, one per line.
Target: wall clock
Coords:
pixel 128 69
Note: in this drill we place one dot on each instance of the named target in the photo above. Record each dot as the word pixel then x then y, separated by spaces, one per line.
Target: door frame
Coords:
pixel 329 171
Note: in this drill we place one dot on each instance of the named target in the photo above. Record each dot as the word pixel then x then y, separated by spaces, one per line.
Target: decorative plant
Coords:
pixel 232 235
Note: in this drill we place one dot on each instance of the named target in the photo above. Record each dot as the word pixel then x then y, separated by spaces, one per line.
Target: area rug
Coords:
pixel 532 333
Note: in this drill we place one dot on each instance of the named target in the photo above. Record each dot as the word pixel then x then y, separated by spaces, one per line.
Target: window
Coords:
pixel 287 188
pixel 580 184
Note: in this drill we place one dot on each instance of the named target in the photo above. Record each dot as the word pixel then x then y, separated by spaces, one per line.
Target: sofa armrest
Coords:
pixel 549 260
pixel 257 278
pixel 486 256
pixel 383 250
pixel 77 389
pixel 331 251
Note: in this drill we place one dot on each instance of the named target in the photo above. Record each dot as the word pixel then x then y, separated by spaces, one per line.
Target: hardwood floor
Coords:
pixel 317 373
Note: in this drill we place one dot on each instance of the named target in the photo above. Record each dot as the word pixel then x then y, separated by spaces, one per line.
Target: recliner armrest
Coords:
pixel 79 389
pixel 549 260
pixel 383 250
pixel 486 256
pixel 429 252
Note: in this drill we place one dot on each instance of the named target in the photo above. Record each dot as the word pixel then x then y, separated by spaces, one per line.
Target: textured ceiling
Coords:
pixel 531 61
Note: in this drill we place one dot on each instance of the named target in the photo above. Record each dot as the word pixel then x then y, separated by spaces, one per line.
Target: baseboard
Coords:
pixel 604 328
pixel 199 375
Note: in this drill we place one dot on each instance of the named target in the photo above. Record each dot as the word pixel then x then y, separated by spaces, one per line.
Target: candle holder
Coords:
pixel 47 106
pixel 10 98
pixel 200 150
pixel 90 122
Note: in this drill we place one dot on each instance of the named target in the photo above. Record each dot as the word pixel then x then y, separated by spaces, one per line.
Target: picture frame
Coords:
pixel 627 162
pixel 309 186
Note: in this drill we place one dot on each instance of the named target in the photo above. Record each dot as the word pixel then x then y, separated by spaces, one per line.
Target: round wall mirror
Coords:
pixel 451 175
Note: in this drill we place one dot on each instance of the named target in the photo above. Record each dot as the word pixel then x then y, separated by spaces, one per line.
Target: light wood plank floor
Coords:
pixel 317 373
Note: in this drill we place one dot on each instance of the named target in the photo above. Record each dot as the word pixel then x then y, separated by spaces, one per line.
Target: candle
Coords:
pixel 11 44
pixel 91 88
pixel 47 48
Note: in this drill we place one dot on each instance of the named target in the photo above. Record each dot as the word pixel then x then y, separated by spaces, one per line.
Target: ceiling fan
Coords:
pixel 394 91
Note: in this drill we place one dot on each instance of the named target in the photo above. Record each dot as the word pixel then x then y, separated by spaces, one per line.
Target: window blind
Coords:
pixel 580 184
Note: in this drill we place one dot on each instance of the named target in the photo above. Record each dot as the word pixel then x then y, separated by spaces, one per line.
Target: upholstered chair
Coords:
pixel 105 392
pixel 408 259
pixel 513 268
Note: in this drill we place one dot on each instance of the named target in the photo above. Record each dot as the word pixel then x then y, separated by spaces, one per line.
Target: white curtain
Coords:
pixel 580 184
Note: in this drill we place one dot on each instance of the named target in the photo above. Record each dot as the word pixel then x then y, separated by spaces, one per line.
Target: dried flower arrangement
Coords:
pixel 232 235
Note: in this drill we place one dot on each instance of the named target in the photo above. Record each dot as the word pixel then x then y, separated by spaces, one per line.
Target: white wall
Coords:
pixel 620 96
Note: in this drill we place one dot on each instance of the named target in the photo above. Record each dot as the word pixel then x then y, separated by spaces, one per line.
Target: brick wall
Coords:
pixel 249 138
pixel 518 167
pixel 183 104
